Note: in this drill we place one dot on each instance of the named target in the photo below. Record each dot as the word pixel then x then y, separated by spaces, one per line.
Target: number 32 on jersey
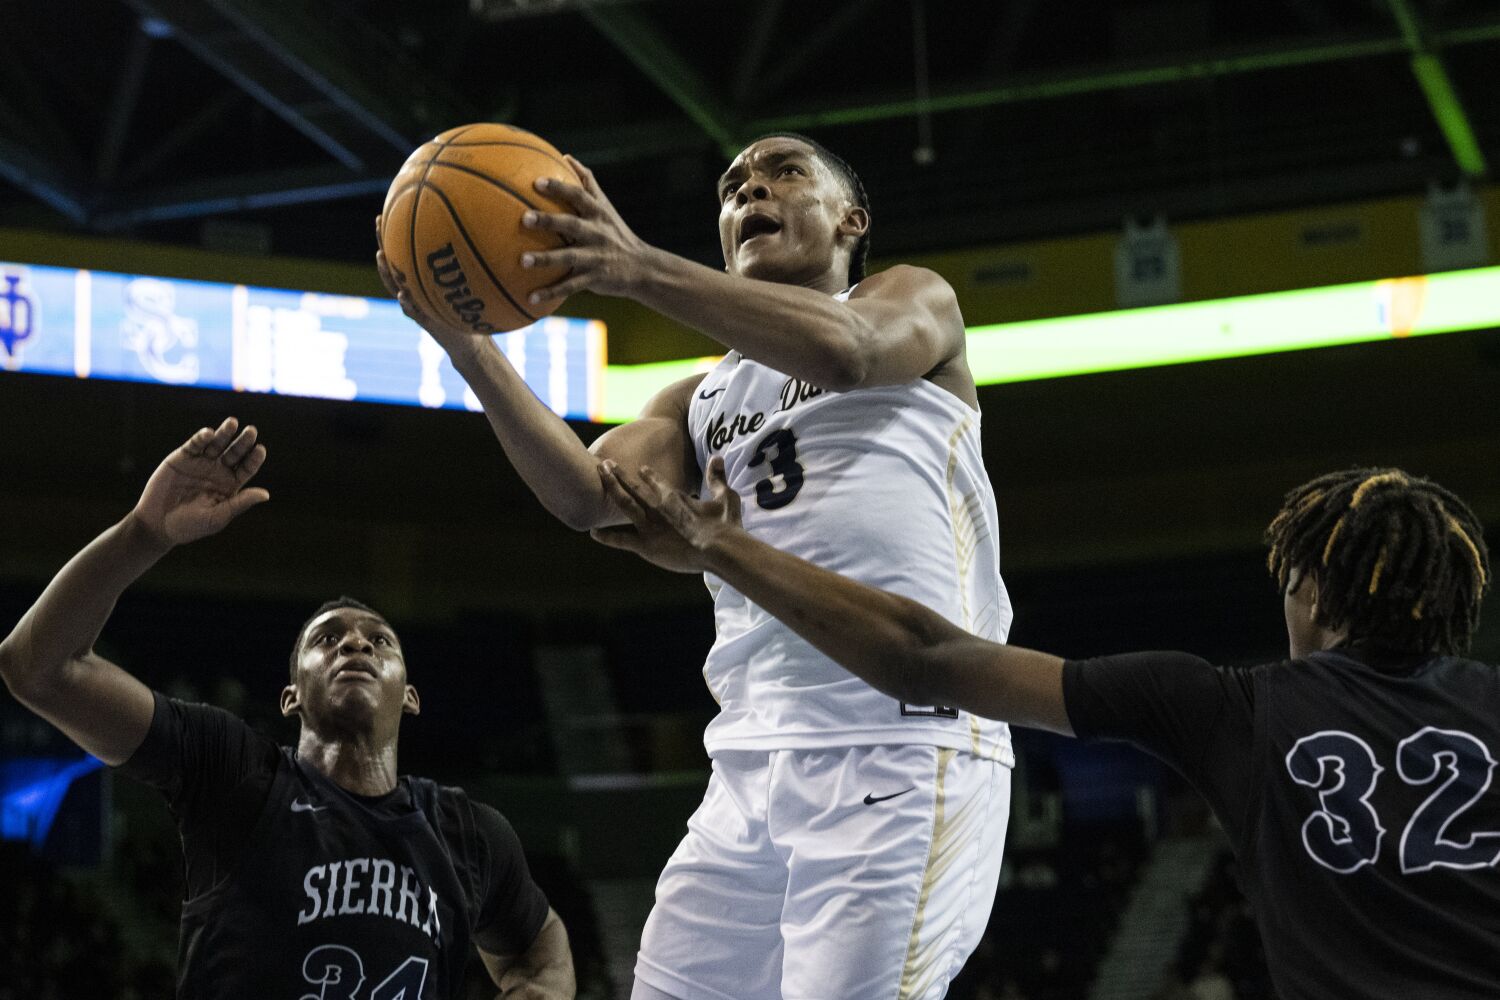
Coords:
pixel 1345 833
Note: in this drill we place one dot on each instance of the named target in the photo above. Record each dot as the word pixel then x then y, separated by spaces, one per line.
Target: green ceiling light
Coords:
pixel 1238 327
pixel 1436 84
pixel 1432 76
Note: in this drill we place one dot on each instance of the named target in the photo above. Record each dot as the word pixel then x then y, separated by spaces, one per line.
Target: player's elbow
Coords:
pixel 581 511
pixel 21 682
pixel 845 367
pixel 9 670
pixel 577 518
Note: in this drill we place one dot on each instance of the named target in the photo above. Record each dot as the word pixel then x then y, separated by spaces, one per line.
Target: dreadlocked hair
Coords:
pixel 1399 561
pixel 861 252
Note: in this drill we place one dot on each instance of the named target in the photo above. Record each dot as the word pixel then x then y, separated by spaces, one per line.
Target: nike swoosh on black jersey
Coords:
pixel 711 395
pixel 872 798
pixel 298 806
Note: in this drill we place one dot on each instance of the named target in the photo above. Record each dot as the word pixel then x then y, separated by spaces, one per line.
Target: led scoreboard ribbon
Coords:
pixel 99 324
pixel 104 325
pixel 1238 327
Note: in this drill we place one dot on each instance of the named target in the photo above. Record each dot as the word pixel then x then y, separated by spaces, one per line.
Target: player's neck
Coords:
pixel 829 281
pixel 356 764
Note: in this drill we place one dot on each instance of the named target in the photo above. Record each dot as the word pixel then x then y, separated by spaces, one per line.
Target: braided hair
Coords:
pixel 1399 561
pixel 861 252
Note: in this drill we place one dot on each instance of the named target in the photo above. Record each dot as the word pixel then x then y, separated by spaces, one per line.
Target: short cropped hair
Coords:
pixel 327 606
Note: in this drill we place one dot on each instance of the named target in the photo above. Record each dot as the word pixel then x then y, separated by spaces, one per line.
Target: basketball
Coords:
pixel 452 225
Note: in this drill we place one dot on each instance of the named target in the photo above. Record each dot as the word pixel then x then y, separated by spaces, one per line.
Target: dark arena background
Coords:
pixel 1264 236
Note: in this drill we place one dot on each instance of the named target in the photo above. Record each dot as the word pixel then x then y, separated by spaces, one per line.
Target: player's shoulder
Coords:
pixel 485 817
pixel 904 280
pixel 202 723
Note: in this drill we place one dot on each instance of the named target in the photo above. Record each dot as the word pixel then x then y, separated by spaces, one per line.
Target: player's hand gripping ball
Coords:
pixel 451 228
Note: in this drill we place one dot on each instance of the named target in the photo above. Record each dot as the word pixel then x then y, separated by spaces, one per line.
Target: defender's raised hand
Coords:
pixel 199 488
pixel 604 254
pixel 668 527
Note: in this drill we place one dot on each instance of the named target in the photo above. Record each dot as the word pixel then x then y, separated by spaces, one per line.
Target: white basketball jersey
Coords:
pixel 885 485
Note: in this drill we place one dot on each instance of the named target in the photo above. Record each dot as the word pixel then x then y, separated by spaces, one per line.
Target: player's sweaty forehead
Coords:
pixel 767 154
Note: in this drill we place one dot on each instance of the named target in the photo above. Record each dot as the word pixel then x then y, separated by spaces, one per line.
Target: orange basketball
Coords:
pixel 452 225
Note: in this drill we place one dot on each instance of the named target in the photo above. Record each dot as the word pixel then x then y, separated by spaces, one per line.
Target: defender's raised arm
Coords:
pixel 48 661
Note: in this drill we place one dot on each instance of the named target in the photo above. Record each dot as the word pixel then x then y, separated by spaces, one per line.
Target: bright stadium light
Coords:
pixel 1176 334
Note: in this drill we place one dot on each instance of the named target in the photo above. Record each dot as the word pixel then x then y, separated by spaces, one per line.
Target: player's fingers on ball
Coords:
pixel 584 173
pixel 404 299
pixel 383 268
pixel 557 222
pixel 572 195
pixel 561 290
pixel 566 257
pixel 240 446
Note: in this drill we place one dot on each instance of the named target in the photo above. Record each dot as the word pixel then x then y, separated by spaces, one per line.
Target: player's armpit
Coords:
pixel 910 326
pixel 544 971
pixel 658 438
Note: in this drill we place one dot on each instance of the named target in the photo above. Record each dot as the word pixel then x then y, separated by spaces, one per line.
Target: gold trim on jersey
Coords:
pixel 965 516
pixel 950 835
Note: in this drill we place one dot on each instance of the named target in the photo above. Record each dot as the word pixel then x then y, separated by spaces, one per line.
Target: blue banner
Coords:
pixel 170 331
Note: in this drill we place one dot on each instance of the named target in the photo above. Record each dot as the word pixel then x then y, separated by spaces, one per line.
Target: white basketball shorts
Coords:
pixel 860 873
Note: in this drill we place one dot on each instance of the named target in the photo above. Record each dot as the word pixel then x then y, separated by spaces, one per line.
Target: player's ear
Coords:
pixel 856 221
pixel 290 703
pixel 411 702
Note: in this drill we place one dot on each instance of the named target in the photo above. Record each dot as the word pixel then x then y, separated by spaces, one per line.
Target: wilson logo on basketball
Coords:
pixel 448 273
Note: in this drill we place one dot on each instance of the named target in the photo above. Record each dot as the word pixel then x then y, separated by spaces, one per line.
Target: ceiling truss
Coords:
pixel 314 74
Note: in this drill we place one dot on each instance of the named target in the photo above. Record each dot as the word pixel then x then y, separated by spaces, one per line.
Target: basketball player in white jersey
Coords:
pixel 849 845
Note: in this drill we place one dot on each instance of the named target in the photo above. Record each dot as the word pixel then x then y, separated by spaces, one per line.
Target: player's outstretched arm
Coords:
pixel 549 457
pixel 894 644
pixel 543 972
pixel 899 325
pixel 48 661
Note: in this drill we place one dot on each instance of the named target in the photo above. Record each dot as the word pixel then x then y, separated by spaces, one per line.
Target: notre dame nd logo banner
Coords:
pixel 17 315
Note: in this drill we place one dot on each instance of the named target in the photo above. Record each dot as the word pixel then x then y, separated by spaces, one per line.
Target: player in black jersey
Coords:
pixel 311 872
pixel 1353 778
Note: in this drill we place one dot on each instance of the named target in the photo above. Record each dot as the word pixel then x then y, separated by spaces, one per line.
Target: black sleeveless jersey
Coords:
pixel 1357 789
pixel 298 888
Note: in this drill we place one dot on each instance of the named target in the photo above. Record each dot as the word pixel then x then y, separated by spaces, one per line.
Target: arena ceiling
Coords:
pixel 971 122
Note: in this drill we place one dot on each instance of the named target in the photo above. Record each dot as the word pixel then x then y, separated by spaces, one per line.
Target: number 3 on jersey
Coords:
pixel 779 448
